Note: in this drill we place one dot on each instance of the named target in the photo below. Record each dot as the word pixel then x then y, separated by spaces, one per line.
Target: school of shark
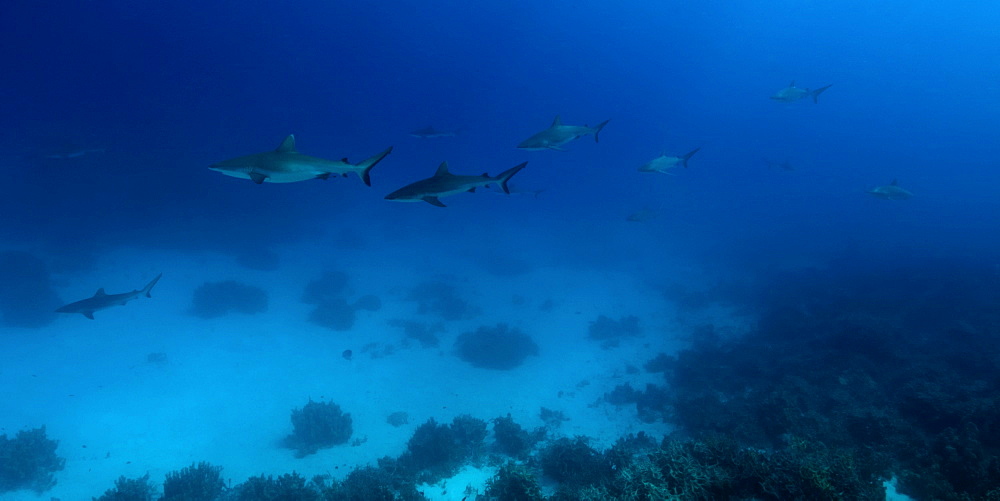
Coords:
pixel 286 165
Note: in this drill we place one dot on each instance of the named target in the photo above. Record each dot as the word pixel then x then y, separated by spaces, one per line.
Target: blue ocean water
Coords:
pixel 113 111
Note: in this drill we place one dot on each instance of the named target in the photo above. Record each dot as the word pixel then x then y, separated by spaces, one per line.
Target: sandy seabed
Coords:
pixel 225 392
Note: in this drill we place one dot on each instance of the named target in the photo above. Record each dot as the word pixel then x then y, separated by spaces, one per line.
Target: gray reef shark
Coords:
pixel 101 300
pixel 444 183
pixel 664 163
pixel 642 215
pixel 286 165
pixel 792 93
pixel 786 165
pixel 71 153
pixel 558 135
pixel 430 132
pixel 891 191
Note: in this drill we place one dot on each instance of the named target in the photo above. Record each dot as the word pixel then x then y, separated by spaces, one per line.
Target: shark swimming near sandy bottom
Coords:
pixel 891 191
pixel 101 300
pixel 666 163
pixel 792 93
pixel 443 183
pixel 558 135
pixel 287 165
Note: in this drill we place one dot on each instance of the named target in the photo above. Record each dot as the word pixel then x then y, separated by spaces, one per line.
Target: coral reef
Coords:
pixel 425 334
pixel 333 310
pixel 27 298
pixel 331 285
pixel 441 299
pixel 318 425
pixel 386 482
pixel 610 332
pixel 552 418
pixel 130 489
pixel 897 360
pixel 368 302
pixel 287 487
pixel 499 347
pixel 334 314
pixel 437 451
pixel 397 419
pixel 513 482
pixel 28 460
pixel 574 462
pixel 198 482
pixel 510 439
pixel 216 299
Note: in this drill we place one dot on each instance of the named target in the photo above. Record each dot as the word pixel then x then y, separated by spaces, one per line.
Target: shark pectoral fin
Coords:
pixel 257 177
pixel 556 148
pixel 434 201
pixel 324 176
pixel 472 190
pixel 88 314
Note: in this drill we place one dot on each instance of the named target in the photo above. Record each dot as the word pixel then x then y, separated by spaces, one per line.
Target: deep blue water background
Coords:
pixel 167 89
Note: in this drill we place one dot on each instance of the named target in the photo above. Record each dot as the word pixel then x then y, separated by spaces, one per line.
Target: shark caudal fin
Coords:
pixel 597 130
pixel 149 286
pixel 505 176
pixel 684 158
pixel 367 165
pixel 815 93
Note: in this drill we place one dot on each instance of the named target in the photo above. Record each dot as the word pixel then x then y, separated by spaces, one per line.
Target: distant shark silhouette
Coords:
pixel 792 93
pixel 891 191
pixel 101 300
pixel 558 135
pixel 664 163
pixel 286 165
pixel 430 132
pixel 444 183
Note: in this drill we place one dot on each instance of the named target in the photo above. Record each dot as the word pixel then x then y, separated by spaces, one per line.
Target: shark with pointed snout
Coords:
pixel 557 135
pixel 430 132
pixel 287 165
pixel 666 163
pixel 891 191
pixel 444 183
pixel 792 93
pixel 102 300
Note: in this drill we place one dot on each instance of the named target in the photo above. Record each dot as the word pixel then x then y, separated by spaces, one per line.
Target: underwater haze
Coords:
pixel 779 255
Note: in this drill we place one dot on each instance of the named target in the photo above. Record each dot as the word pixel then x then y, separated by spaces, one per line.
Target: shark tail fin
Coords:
pixel 367 165
pixel 688 155
pixel 815 93
pixel 505 176
pixel 149 286
pixel 597 130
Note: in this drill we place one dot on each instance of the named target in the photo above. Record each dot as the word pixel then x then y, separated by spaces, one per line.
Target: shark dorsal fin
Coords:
pixel 792 84
pixel 345 160
pixel 557 122
pixel 894 183
pixel 100 292
pixel 288 145
pixel 442 170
